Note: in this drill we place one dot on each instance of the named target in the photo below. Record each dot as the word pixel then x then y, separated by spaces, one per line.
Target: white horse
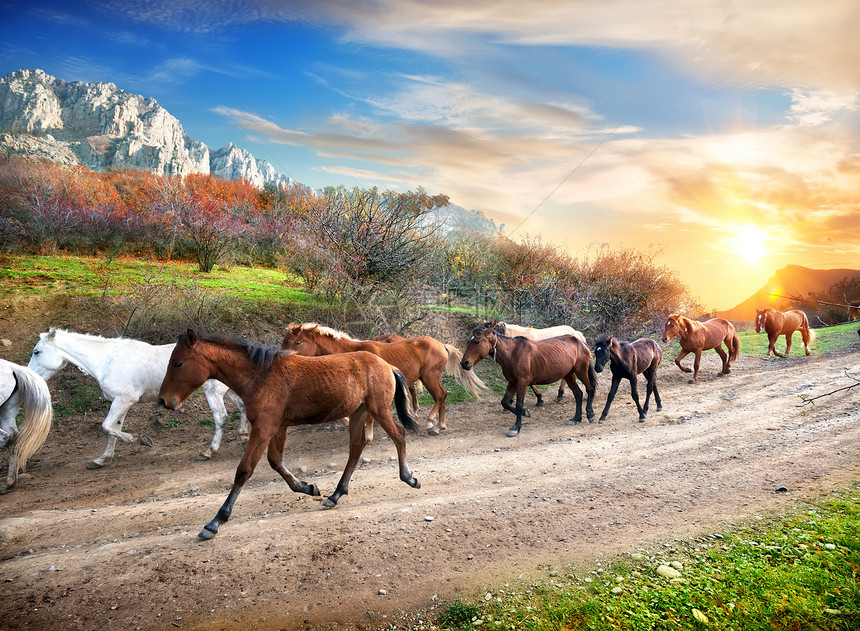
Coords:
pixel 21 386
pixel 127 371
pixel 531 333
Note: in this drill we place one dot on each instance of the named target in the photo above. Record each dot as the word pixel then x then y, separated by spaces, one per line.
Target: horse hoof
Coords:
pixel 414 483
pixel 433 431
pixel 314 491
pixel 6 489
pixel 573 421
pixel 203 456
pixel 641 419
pixel 599 422
pixel 512 432
pixel 539 404
pixel 327 503
pixel 94 465
pixel 526 413
pixel 146 440
pixel 692 381
pixel 206 533
pixel 659 408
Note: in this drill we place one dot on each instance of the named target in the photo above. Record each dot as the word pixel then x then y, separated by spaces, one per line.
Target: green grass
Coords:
pixel 801 571
pixel 826 339
pixel 80 275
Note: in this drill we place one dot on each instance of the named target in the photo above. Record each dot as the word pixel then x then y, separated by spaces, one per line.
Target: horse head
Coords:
pixel 673 327
pixel 187 370
pixel 47 359
pixel 760 317
pixel 602 344
pixel 481 342
pixel 300 338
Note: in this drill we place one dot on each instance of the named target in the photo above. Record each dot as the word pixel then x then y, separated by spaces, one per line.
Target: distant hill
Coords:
pixel 792 280
pixel 102 127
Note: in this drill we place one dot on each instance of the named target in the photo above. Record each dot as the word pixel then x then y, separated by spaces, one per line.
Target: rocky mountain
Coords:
pixel 792 280
pixel 100 126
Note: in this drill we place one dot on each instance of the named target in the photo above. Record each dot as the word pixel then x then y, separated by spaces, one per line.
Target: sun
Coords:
pixel 750 243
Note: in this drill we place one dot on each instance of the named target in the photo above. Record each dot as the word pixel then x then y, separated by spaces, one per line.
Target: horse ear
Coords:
pixel 190 338
pixel 51 333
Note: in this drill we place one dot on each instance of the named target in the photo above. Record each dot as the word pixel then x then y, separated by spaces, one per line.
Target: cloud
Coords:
pixel 810 108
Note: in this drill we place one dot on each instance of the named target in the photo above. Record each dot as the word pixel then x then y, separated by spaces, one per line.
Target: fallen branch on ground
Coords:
pixel 808 399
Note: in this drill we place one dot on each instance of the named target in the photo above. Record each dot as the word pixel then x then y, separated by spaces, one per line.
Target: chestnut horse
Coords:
pixel 531 333
pixel 776 323
pixel 282 389
pixel 695 337
pixel 626 361
pixel 423 358
pixel 534 362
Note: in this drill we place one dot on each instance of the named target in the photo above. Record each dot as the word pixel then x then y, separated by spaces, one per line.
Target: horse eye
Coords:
pixel 177 364
pixel 297 343
pixel 35 352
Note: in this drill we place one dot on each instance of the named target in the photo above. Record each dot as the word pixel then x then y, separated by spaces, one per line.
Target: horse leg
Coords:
pixel 696 362
pixel 634 392
pixel 8 432
pixel 433 383
pixel 577 395
pixel 113 426
pixel 788 337
pixel 560 395
pixel 771 343
pixel 725 357
pixel 678 359
pixel 244 428
pixel 538 395
pixel 382 412
pixel 215 398
pixel 276 461
pixel 257 443
pixel 515 428
pixel 612 390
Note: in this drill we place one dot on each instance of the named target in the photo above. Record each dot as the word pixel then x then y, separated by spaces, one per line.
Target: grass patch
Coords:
pixel 81 275
pixel 801 571
pixel 826 339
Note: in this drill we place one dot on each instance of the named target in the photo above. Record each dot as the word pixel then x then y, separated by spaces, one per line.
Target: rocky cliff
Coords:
pixel 100 126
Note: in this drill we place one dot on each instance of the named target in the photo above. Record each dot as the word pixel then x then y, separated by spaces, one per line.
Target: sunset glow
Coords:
pixel 722 135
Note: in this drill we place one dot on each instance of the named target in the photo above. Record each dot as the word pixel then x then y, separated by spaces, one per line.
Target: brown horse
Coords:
pixel 776 323
pixel 534 362
pixel 423 358
pixel 626 361
pixel 695 337
pixel 281 390
pixel 531 333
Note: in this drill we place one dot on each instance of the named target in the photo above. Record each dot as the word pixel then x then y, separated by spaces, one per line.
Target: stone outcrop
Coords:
pixel 100 126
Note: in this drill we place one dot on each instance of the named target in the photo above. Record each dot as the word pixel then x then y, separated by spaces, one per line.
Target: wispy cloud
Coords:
pixel 810 108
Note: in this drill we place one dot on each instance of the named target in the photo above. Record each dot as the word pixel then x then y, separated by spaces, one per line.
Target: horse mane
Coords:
pixel 603 338
pixel 322 330
pixel 90 337
pixel 262 356
pixel 687 323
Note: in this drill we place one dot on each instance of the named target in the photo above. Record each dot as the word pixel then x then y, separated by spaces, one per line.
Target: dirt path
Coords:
pixel 118 547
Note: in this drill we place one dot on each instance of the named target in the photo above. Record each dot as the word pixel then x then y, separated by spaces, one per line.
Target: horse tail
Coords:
pixel 806 333
pixel 467 378
pixel 592 378
pixel 401 402
pixel 735 349
pixel 38 415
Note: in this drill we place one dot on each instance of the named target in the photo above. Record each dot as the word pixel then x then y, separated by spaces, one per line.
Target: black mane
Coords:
pixel 262 356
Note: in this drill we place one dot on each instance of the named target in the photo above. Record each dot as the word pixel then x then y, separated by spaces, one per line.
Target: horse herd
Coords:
pixel 318 375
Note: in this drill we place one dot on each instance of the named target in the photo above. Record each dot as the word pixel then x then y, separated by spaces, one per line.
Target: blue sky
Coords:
pixel 724 136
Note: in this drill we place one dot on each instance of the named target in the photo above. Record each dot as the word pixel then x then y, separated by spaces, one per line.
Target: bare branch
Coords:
pixel 808 399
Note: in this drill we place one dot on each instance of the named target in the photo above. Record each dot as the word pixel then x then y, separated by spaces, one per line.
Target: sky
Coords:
pixel 720 136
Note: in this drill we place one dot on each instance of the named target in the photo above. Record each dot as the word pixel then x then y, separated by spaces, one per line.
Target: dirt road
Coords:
pixel 118 547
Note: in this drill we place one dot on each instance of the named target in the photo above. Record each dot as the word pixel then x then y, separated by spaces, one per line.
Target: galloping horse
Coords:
pixel 528 362
pixel 128 371
pixel 777 323
pixel 626 361
pixel 531 333
pixel 283 389
pixel 423 358
pixel 21 386
pixel 695 337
